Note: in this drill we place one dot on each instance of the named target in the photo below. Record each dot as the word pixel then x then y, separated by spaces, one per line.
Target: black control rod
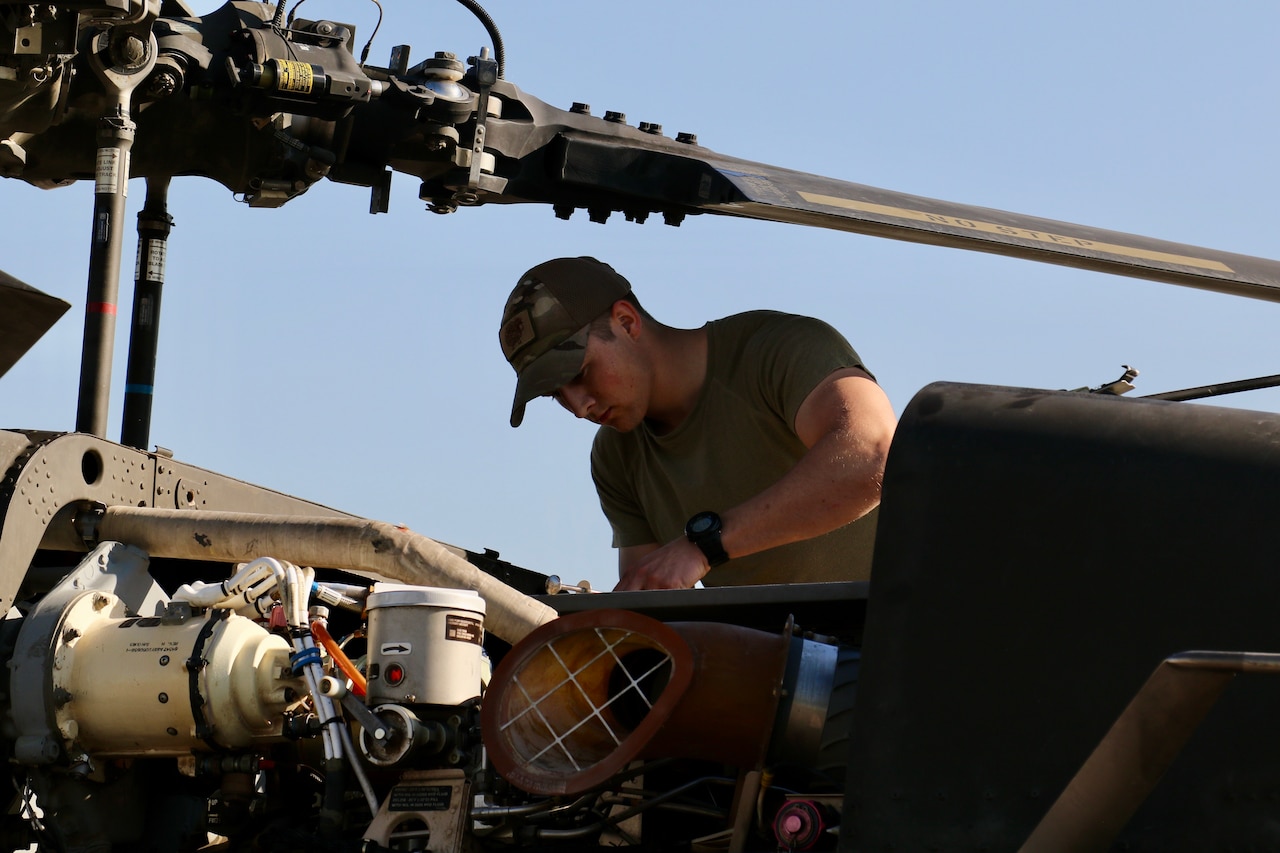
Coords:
pixel 154 224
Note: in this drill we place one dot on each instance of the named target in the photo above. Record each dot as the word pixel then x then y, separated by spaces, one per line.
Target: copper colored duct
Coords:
pixel 581 697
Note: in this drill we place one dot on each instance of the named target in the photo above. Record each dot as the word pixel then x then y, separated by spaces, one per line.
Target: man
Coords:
pixel 748 451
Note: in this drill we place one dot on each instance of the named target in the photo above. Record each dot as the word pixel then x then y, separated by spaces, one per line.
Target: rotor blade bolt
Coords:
pixel 130 51
pixel 563 211
pixel 580 108
pixel 444 62
pixel 651 127
pixel 599 214
pixel 615 117
pixel 687 138
pixel 162 84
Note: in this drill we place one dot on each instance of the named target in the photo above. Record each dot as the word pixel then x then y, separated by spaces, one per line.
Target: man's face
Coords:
pixel 612 387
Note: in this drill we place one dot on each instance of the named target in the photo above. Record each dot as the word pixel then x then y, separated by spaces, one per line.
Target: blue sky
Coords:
pixel 352 359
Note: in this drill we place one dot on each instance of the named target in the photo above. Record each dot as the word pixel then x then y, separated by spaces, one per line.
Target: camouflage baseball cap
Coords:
pixel 545 324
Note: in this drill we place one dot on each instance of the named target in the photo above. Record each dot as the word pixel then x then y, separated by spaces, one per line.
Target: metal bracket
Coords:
pixel 1116 388
pixel 486 70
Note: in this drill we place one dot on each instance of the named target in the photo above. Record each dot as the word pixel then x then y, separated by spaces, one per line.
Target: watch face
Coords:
pixel 701 524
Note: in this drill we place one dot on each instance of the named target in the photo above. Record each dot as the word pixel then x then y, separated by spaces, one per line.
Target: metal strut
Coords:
pixel 122 59
pixel 154 224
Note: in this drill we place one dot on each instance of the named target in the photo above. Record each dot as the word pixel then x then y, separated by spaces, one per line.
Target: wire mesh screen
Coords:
pixel 579 697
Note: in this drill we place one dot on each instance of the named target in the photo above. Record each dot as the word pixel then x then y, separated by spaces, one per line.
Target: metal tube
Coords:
pixel 350 544
pixel 1202 391
pixel 1141 745
pixel 115 139
pixel 154 224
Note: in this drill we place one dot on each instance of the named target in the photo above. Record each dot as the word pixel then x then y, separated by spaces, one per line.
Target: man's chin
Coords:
pixel 619 423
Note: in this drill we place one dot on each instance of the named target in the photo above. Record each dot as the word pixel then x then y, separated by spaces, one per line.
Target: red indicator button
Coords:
pixel 394 674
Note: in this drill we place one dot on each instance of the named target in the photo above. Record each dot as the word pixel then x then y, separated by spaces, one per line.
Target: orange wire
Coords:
pixel 344 663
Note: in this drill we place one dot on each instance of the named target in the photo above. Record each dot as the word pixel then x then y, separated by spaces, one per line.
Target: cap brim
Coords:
pixel 549 371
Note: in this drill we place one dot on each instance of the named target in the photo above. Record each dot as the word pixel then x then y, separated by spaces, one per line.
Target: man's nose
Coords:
pixel 576 401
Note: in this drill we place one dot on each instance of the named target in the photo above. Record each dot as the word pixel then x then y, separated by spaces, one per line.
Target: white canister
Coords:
pixel 425 645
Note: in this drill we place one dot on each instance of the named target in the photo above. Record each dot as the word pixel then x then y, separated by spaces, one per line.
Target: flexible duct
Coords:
pixel 577 700
pixel 348 544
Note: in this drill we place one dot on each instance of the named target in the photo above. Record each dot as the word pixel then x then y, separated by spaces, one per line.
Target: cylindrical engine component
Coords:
pixel 579 698
pixel 804 707
pixel 800 824
pixel 424 645
pixel 148 686
pixel 407 736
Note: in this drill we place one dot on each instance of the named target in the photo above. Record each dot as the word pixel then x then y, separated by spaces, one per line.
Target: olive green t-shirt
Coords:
pixel 738 440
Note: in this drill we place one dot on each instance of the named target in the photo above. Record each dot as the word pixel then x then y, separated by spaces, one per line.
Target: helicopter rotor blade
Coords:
pixel 25 315
pixel 866 210
pixel 714 183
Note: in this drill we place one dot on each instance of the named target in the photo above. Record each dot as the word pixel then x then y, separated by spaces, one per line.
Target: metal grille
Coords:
pixel 556 739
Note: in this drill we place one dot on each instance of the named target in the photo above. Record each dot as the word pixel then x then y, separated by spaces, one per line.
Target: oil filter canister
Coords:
pixel 425 645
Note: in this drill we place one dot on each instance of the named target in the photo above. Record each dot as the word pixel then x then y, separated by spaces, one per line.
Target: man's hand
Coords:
pixel 677 565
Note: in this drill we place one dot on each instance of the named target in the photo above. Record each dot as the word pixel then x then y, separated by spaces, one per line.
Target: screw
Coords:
pixel 162 85
pixel 130 51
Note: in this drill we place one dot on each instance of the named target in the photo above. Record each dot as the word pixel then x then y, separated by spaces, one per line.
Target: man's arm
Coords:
pixel 846 423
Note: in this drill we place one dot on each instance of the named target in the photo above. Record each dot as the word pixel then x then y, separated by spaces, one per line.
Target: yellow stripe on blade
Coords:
pixel 1011 231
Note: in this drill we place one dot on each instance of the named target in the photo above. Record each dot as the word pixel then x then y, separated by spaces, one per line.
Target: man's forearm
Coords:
pixel 837 481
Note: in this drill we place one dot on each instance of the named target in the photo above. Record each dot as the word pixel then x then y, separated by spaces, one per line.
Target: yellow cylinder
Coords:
pixel 147 686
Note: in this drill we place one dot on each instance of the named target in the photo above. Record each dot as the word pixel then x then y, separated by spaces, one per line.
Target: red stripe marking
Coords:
pixel 100 308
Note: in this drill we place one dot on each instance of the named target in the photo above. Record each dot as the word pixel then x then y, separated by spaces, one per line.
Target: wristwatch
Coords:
pixel 703 530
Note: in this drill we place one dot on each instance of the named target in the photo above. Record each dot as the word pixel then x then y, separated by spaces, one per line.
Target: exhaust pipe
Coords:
pixel 349 544
pixel 580 698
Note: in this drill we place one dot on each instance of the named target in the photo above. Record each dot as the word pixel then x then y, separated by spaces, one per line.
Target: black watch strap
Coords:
pixel 703 530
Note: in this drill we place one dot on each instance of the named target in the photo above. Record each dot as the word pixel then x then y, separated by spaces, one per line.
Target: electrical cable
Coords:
pixel 499 52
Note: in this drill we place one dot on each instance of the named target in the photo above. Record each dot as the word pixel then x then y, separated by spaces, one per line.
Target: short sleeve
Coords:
pixel 791 357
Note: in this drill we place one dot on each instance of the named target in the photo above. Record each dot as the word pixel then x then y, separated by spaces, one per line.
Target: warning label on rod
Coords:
pixel 107 172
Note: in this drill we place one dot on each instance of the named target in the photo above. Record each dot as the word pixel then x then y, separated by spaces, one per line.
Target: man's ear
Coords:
pixel 627 318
